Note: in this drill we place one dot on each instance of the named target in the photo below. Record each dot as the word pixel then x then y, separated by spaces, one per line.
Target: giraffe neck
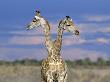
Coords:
pixel 58 42
pixel 48 41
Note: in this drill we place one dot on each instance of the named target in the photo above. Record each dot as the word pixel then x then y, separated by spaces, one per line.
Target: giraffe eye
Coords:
pixel 65 22
pixel 34 20
pixel 68 25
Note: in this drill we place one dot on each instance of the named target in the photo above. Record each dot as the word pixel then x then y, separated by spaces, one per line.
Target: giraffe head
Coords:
pixel 67 24
pixel 38 21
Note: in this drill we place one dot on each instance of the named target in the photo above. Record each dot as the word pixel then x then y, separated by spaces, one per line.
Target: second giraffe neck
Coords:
pixel 58 42
pixel 59 35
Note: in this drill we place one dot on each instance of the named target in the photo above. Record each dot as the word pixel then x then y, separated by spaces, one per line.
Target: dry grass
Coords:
pixel 20 73
pixel 89 75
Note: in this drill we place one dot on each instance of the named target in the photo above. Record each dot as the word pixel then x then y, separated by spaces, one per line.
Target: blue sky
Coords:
pixel 92 17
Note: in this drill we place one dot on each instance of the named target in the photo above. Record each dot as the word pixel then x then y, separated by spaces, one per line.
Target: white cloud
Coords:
pixel 103 40
pixel 28 32
pixel 54 28
pixel 72 40
pixel 35 40
pixel 105 30
pixel 77 40
pixel 77 53
pixel 97 18
pixel 87 28
pixel 93 28
pixel 22 53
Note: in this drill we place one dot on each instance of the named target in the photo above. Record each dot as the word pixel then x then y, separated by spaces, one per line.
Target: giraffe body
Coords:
pixel 53 69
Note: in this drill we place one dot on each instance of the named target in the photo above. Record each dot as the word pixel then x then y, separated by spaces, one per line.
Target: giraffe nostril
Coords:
pixel 76 32
pixel 27 28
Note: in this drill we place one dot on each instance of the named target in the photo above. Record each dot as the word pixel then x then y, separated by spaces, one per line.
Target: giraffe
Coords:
pixel 53 68
pixel 65 24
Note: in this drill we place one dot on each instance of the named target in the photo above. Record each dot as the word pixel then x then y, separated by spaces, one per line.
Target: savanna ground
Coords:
pixel 31 73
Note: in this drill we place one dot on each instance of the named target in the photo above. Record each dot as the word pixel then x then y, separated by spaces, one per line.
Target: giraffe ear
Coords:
pixel 67 17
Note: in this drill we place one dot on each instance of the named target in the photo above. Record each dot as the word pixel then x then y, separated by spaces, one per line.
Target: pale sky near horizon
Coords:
pixel 92 17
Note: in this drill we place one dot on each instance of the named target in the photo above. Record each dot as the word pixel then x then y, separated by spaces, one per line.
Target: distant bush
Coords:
pixel 87 62
pixel 21 62
pixel 81 62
